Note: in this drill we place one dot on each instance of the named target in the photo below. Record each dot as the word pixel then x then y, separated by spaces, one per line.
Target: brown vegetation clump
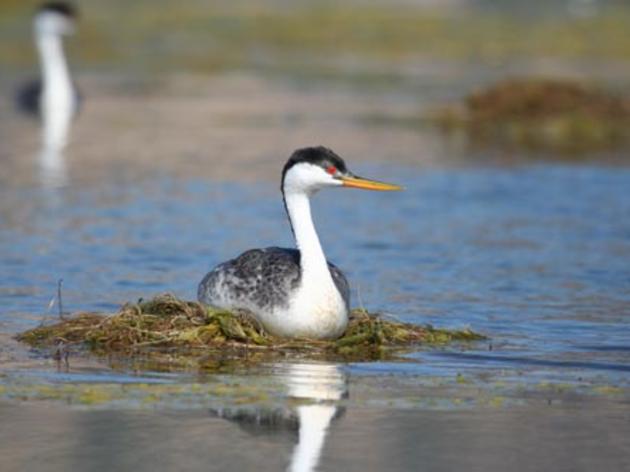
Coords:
pixel 547 114
pixel 166 324
pixel 541 98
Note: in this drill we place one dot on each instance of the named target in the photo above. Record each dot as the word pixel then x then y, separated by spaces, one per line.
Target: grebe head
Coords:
pixel 55 18
pixel 311 169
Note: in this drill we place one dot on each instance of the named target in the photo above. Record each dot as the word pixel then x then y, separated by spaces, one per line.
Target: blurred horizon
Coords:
pixel 305 37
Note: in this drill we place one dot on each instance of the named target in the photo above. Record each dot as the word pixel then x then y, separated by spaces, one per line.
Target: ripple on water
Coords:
pixel 536 257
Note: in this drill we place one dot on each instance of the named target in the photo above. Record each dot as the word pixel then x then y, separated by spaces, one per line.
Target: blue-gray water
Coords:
pixel 162 182
pixel 537 257
pixel 534 256
pixel 173 166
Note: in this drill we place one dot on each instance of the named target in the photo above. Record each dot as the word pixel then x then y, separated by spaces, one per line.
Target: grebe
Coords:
pixel 54 96
pixel 292 293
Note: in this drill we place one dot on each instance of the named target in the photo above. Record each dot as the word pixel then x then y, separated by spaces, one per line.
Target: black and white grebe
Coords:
pixel 53 96
pixel 292 292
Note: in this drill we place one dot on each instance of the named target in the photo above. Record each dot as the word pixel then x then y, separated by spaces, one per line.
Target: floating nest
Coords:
pixel 166 327
pixel 542 114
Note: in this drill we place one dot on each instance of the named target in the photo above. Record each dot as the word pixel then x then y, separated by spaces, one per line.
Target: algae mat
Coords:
pixel 168 329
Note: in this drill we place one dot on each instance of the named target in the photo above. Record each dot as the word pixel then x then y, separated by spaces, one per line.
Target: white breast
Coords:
pixel 316 311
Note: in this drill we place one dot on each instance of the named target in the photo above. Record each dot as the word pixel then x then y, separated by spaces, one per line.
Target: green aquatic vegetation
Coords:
pixel 557 115
pixel 139 394
pixel 606 390
pixel 166 328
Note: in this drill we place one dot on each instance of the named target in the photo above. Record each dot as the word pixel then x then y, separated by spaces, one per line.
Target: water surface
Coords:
pixel 162 182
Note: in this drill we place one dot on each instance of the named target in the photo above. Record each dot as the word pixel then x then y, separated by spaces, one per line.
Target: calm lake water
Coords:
pixel 534 256
pixel 166 176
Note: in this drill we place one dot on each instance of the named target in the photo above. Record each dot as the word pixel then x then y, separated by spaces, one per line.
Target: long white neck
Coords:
pixel 312 259
pixel 57 99
pixel 53 61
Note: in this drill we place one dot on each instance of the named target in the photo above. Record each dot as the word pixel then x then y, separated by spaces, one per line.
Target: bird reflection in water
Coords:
pixel 52 168
pixel 314 391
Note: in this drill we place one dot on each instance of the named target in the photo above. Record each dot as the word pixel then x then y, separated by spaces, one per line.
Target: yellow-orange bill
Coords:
pixel 359 182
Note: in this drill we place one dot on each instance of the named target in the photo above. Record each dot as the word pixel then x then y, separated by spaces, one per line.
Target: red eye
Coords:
pixel 332 170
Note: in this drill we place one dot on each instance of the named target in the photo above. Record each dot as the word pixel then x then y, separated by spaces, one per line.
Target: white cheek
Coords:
pixel 307 178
